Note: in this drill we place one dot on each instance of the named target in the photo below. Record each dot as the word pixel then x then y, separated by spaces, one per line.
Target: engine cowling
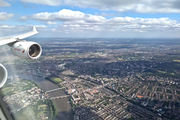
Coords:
pixel 27 49
pixel 3 75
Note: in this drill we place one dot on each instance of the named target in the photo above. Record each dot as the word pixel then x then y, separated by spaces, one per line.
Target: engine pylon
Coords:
pixel 3 75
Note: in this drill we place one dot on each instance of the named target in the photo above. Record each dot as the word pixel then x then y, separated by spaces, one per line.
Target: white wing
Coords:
pixel 15 38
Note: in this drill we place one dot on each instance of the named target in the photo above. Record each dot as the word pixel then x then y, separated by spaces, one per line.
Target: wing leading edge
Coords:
pixel 15 38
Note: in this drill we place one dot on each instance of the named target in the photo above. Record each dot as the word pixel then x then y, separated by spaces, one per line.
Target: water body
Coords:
pixel 63 105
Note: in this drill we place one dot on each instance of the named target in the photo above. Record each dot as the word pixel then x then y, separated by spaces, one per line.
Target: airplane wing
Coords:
pixel 15 38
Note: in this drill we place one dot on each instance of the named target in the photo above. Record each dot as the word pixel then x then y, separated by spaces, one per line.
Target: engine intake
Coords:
pixel 3 75
pixel 34 50
pixel 25 49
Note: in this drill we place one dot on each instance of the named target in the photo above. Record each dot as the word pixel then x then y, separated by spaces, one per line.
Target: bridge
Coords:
pixel 54 90
pixel 59 97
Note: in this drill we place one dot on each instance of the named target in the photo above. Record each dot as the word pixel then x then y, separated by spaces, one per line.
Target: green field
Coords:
pixel 42 107
pixel 56 79
pixel 6 90
pixel 162 71
pixel 45 108
pixel 176 60
pixel 22 85
pixel 120 59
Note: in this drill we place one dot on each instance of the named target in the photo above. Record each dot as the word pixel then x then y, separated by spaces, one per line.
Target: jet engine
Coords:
pixel 3 75
pixel 27 49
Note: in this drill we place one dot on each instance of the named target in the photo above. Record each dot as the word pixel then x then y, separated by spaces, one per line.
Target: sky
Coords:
pixel 92 18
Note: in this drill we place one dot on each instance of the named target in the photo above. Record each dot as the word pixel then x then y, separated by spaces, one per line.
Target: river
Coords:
pixel 63 105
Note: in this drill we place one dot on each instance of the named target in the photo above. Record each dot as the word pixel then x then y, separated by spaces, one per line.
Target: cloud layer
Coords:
pixel 140 6
pixel 63 15
pixel 5 16
pixel 4 4
pixel 68 23
pixel 79 21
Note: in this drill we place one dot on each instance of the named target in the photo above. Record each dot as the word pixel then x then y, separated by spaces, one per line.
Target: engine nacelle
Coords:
pixel 3 75
pixel 26 49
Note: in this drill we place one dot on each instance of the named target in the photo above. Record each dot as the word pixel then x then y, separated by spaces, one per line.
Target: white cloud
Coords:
pixel 76 21
pixel 141 6
pixel 124 24
pixel 126 27
pixel 157 8
pixel 41 26
pixel 51 23
pixel 5 16
pixel 23 18
pixel 64 15
pixel 45 2
pixel 4 4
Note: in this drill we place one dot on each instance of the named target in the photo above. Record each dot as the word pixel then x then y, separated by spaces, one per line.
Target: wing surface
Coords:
pixel 15 38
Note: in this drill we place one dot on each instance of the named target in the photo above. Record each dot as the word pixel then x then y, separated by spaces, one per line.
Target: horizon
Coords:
pixel 117 18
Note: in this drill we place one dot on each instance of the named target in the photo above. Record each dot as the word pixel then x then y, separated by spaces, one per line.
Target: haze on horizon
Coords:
pixel 92 19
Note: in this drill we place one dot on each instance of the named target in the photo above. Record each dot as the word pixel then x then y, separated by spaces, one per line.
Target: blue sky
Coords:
pixel 94 18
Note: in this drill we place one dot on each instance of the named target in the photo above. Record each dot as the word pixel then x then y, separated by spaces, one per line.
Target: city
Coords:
pixel 102 79
pixel 89 60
